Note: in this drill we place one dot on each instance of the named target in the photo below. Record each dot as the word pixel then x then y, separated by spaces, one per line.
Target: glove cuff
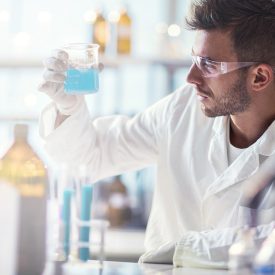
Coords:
pixel 69 110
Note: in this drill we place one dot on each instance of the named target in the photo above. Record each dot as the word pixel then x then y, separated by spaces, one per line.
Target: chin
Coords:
pixel 210 113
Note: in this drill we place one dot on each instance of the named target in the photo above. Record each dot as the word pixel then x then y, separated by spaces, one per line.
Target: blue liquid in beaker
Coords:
pixel 81 81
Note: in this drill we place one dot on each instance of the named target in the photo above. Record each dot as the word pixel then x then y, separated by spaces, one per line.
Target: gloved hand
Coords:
pixel 53 84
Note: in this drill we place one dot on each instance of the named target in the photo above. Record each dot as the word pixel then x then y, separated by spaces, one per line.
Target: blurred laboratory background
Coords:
pixel 146 55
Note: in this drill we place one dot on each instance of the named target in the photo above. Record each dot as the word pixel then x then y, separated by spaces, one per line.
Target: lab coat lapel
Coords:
pixel 217 153
pixel 243 167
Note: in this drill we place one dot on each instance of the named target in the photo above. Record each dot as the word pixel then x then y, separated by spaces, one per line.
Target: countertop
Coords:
pixel 126 268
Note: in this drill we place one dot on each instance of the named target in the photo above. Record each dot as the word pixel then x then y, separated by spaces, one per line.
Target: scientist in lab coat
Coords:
pixel 207 138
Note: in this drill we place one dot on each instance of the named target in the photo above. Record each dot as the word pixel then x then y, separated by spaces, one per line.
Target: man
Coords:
pixel 206 138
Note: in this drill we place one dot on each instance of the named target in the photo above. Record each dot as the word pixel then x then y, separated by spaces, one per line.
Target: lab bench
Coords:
pixel 124 244
pixel 125 268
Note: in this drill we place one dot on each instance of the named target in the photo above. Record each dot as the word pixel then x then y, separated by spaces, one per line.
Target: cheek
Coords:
pixel 219 85
pixel 214 87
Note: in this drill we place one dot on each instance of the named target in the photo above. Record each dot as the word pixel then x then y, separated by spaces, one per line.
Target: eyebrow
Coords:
pixel 204 57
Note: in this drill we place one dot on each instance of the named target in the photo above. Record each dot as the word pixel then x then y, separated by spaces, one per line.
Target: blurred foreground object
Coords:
pixel 265 259
pixel 23 169
pixel 9 216
pixel 259 193
pixel 242 252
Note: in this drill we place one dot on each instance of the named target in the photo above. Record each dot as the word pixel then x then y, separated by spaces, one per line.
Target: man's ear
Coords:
pixel 262 75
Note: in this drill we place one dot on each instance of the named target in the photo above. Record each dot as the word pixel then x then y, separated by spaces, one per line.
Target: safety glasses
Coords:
pixel 210 68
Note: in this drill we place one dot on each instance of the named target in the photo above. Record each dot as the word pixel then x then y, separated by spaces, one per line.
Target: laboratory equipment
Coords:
pixel 124 33
pixel 265 259
pixel 87 234
pixel 22 168
pixel 242 252
pixel 66 219
pixel 100 31
pixel 85 215
pixel 82 74
pixel 61 196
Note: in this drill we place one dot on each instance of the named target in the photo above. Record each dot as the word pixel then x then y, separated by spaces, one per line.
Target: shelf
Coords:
pixel 109 62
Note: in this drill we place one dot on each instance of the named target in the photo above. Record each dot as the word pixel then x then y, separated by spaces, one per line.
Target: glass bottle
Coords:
pixel 265 258
pixel 118 211
pixel 242 252
pixel 124 33
pixel 22 167
pixel 100 32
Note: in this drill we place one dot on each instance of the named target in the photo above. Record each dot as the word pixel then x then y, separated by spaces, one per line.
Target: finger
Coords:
pixel 98 67
pixel 50 88
pixel 51 76
pixel 56 92
pixel 54 64
pixel 61 54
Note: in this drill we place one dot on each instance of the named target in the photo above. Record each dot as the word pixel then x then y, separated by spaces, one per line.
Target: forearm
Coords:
pixel 108 146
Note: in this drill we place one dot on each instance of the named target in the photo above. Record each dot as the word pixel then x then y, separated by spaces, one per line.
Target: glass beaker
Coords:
pixel 82 74
pixel 88 240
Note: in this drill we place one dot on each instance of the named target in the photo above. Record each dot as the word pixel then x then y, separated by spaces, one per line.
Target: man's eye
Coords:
pixel 208 66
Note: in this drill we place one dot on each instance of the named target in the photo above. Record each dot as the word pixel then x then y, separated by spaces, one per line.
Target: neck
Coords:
pixel 246 129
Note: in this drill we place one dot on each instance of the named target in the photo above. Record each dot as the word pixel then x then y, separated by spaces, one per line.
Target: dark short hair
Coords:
pixel 251 24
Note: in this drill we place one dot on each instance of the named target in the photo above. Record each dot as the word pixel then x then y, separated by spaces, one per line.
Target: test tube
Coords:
pixel 66 219
pixel 85 215
pixel 65 194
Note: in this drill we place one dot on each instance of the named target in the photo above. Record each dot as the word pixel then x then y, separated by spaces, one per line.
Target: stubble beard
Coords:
pixel 235 100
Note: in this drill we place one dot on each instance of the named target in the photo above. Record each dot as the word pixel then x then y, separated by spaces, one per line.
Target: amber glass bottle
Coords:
pixel 100 32
pixel 22 167
pixel 124 33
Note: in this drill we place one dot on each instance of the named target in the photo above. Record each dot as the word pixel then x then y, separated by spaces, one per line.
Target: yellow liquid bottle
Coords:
pixel 100 32
pixel 124 33
pixel 22 167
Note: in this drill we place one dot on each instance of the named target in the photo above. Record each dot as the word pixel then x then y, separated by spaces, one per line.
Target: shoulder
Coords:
pixel 175 109
pixel 177 100
pixel 185 110
pixel 183 102
pixel 184 96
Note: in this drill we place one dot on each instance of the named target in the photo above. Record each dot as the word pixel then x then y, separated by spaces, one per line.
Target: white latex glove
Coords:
pixel 162 255
pixel 53 84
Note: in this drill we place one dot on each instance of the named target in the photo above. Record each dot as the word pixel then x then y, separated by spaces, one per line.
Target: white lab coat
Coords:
pixel 196 208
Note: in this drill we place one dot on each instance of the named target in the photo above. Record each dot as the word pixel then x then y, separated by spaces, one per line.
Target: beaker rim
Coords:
pixel 81 46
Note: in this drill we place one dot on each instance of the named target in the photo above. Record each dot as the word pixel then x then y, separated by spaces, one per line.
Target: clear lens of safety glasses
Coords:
pixel 210 68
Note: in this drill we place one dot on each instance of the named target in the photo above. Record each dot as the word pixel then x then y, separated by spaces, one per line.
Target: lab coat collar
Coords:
pixel 220 124
pixel 266 143
pixel 245 165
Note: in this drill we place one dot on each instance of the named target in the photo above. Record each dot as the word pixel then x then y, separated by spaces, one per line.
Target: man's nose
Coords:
pixel 194 75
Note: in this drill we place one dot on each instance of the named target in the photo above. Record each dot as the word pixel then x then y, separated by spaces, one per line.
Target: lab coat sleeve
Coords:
pixel 205 249
pixel 209 249
pixel 108 145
